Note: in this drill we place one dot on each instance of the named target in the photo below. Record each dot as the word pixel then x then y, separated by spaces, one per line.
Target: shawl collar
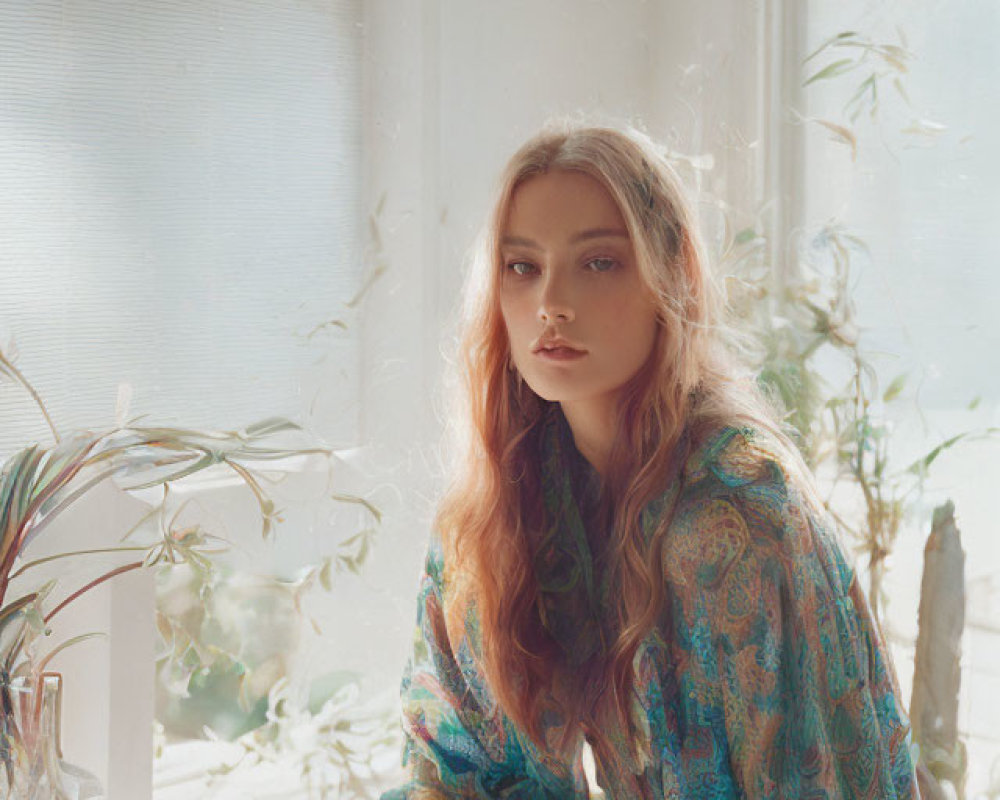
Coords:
pixel 572 583
pixel 571 593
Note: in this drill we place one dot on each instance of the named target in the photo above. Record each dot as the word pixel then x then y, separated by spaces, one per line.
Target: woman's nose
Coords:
pixel 555 301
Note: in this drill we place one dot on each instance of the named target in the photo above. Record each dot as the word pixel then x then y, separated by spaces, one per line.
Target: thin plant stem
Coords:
pixel 34 395
pixel 41 561
pixel 105 577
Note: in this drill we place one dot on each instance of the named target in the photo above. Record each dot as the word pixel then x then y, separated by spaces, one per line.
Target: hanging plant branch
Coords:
pixel 880 62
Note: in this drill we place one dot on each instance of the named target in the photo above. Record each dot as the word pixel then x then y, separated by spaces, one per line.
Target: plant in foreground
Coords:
pixel 38 483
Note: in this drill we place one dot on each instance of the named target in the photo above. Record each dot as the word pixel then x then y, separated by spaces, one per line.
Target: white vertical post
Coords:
pixel 108 682
pixel 131 678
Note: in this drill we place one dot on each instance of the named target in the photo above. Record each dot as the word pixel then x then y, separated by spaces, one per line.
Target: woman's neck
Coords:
pixel 593 427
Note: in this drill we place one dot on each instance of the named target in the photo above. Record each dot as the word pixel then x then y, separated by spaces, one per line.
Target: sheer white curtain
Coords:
pixel 180 209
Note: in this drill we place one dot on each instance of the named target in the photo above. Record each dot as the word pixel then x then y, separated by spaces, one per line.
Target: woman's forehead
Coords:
pixel 561 200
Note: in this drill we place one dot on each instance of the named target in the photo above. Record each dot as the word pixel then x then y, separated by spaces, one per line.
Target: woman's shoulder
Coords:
pixel 744 503
pixel 734 455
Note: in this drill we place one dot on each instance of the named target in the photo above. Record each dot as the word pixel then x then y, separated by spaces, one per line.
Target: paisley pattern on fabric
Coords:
pixel 572 595
pixel 769 678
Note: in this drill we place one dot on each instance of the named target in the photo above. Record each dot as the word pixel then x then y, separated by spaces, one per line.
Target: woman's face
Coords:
pixel 568 270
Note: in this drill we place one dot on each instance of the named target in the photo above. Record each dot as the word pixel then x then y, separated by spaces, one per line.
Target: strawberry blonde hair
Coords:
pixel 491 510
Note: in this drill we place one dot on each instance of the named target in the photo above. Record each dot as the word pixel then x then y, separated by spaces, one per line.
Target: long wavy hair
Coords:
pixel 696 378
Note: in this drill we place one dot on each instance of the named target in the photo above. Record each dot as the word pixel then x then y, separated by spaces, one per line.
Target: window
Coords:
pixel 923 196
pixel 180 224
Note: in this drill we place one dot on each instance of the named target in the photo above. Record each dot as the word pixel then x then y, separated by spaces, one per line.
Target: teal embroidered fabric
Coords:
pixel 769 677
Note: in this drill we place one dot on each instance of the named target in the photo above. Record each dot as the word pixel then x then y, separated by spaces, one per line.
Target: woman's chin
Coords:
pixel 547 390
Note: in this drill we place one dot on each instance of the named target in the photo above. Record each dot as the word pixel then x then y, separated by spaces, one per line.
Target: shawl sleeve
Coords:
pixel 785 663
pixel 457 742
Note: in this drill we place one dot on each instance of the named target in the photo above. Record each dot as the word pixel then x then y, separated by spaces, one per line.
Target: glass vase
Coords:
pixel 31 764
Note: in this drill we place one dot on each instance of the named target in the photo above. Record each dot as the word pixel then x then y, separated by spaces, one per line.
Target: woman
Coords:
pixel 632 551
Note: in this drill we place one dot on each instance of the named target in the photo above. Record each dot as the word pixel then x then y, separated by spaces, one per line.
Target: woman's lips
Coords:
pixel 561 354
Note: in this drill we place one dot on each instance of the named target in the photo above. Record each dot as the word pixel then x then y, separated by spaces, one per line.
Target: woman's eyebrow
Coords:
pixel 593 233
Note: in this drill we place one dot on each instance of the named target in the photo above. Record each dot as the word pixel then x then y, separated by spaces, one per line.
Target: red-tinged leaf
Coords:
pixel 893 56
pixel 842 133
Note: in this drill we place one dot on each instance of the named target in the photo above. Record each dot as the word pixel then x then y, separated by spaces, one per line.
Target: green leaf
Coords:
pixel 365 548
pixel 350 498
pixel 15 607
pixel 831 70
pixel 70 554
pixel 894 388
pixel 868 84
pixel 324 574
pixel 193 465
pixel 269 426
pixel 920 466
pixel 833 39
pixel 35 620
pixel 68 643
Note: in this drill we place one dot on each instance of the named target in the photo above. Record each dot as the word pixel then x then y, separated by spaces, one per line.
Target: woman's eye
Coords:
pixel 608 264
pixel 513 266
pixel 522 268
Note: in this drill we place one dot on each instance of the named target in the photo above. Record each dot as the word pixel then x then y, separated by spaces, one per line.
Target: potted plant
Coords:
pixel 37 484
